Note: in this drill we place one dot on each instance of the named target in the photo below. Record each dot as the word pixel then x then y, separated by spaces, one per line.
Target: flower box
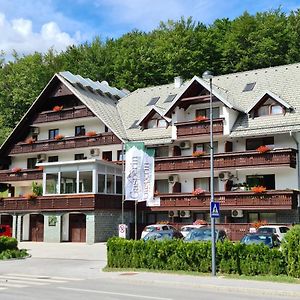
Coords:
pixel 198 192
pixel 30 196
pixel 263 149
pixel 258 189
pixel 91 133
pixel 59 137
pixel 201 119
pixel 57 108
pixel 16 170
pixel 198 153
pixel 30 140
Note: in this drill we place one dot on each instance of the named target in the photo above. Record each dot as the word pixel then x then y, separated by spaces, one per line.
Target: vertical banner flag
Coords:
pixel 139 172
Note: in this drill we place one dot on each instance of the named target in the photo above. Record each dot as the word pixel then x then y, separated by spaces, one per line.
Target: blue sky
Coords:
pixel 36 25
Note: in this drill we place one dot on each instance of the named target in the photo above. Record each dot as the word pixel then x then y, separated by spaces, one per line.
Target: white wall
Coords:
pixel 230 117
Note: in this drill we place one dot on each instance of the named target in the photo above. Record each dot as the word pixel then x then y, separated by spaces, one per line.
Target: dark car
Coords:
pixel 269 239
pixel 204 234
pixel 163 235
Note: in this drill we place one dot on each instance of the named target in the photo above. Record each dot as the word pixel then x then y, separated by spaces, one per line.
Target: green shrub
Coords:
pixel 14 253
pixel 8 243
pixel 196 256
pixel 291 251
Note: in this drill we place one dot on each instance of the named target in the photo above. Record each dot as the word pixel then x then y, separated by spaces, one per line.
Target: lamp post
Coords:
pixel 209 75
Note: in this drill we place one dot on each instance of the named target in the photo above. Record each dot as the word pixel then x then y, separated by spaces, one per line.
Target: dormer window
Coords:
pixel 156 122
pixel 269 107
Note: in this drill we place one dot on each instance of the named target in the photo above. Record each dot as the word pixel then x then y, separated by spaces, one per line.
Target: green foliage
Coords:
pixel 15 253
pixel 37 188
pixel 8 243
pixel 196 256
pixel 291 250
pixel 138 59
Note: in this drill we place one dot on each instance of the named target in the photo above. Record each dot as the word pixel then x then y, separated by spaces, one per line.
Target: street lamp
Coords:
pixel 209 75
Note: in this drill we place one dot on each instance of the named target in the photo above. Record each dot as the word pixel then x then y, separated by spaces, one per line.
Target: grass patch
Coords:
pixel 271 278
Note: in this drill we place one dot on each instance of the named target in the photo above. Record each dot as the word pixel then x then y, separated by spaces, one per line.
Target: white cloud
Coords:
pixel 18 35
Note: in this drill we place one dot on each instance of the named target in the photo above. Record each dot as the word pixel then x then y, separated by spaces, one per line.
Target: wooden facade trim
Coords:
pixel 252 159
pixel 64 114
pixel 271 200
pixel 25 174
pixel 106 138
pixel 194 128
pixel 64 203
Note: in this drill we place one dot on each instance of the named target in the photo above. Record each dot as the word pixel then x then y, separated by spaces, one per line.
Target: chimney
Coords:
pixel 178 81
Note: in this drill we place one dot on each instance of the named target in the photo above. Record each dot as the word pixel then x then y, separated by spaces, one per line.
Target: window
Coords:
pixel 269 217
pixel 249 87
pixel 205 112
pixel 253 144
pixel 120 155
pixel 110 184
pixel 101 183
pixel 105 128
pixel 52 183
pixel 204 183
pixel 79 130
pixel 85 182
pixel 68 182
pixel 205 147
pixel 107 155
pixel 153 101
pixel 79 156
pixel 119 185
pixel 268 107
pixel 267 181
pixel 156 122
pixel 52 158
pixel 162 186
pixel 31 162
pixel 161 151
pixel 53 133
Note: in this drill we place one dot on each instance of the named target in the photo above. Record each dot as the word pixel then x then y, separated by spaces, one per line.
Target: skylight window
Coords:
pixel 134 124
pixel 170 98
pixel 153 101
pixel 249 87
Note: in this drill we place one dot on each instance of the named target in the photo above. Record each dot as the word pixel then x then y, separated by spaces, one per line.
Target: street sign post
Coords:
pixel 215 209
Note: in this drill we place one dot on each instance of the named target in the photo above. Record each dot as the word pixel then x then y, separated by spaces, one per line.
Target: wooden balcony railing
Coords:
pixel 106 138
pixel 25 174
pixel 194 128
pixel 64 114
pixel 63 203
pixel 252 159
pixel 271 200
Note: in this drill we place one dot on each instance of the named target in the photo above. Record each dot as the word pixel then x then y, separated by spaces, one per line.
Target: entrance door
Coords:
pixel 77 228
pixel 36 228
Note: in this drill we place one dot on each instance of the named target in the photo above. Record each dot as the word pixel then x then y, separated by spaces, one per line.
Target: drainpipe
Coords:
pixel 298 169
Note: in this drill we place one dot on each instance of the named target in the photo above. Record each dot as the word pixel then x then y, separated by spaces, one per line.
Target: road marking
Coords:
pixel 11 279
pixel 113 293
pixel 45 280
pixel 45 277
pixel 6 284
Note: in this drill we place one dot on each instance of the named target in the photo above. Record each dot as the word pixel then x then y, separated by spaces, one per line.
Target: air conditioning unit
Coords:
pixel 237 213
pixel 35 130
pixel 94 152
pixel 41 157
pixel 173 178
pixel 185 213
pixel 185 145
pixel 173 213
pixel 225 176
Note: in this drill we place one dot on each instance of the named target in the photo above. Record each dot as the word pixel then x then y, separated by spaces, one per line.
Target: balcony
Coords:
pixel 247 159
pixel 106 138
pixel 64 114
pixel 26 174
pixel 194 128
pixel 63 203
pixel 270 200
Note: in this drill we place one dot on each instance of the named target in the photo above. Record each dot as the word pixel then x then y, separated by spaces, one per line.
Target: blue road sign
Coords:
pixel 215 209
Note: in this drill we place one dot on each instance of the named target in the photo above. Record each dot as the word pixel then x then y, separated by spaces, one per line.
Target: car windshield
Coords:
pixel 150 228
pixel 267 230
pixel 257 239
pixel 200 235
pixel 158 236
pixel 187 228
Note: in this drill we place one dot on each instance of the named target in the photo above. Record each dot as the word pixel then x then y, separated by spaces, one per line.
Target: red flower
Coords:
pixel 263 149
pixel 198 192
pixel 198 153
pixel 16 170
pixel 258 189
pixel 30 140
pixel 91 133
pixel 30 195
pixel 57 108
pixel 201 119
pixel 59 137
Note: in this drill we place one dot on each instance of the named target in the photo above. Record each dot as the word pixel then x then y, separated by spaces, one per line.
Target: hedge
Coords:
pixel 8 243
pixel 231 258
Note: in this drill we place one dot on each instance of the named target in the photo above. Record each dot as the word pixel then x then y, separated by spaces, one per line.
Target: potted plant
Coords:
pixel 201 119
pixel 258 189
pixel 198 192
pixel 30 140
pixel 16 170
pixel 263 149
pixel 91 133
pixel 30 196
pixel 59 137
pixel 198 153
pixel 57 108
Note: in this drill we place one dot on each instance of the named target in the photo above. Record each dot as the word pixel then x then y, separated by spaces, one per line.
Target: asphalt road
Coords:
pixel 65 273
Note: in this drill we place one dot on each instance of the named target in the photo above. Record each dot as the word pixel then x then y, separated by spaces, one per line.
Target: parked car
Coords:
pixel 5 230
pixel 156 227
pixel 162 235
pixel 187 228
pixel 279 230
pixel 204 234
pixel 269 239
